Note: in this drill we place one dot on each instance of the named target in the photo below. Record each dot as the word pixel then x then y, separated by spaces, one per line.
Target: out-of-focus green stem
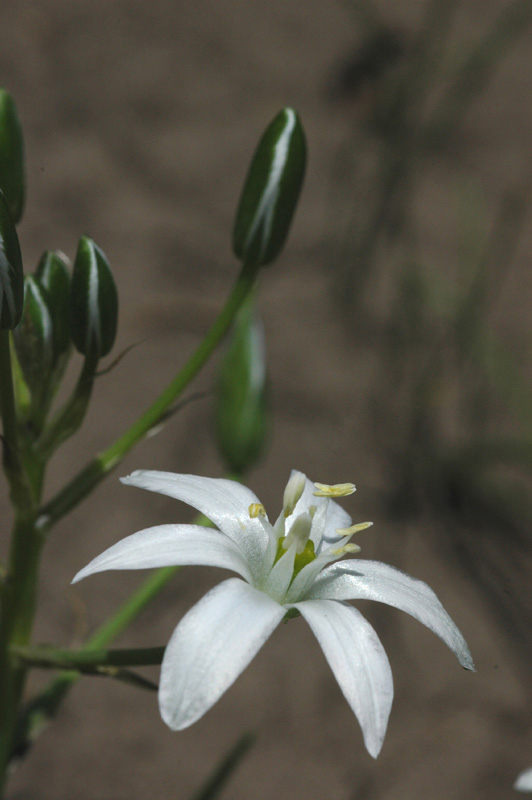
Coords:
pixel 89 477
pixel 132 607
pixel 221 773
pixel 48 657
pixel 477 69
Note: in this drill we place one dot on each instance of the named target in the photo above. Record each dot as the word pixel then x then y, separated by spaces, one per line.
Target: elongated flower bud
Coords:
pixel 241 419
pixel 53 275
pixel 271 191
pixel 93 301
pixel 34 338
pixel 11 276
pixel 12 171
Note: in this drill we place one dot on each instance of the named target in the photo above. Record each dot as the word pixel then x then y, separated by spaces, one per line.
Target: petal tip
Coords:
pixel 131 479
pixel 468 663
pixel 78 576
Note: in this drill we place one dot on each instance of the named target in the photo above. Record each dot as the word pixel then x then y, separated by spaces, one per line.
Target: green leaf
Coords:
pixel 241 414
pixel 11 275
pixel 271 191
pixel 12 170
pixel 93 302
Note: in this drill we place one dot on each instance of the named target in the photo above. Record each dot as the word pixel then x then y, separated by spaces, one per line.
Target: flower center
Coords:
pixel 298 539
pixel 301 559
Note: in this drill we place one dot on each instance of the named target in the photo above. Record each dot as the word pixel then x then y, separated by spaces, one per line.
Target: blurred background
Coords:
pixel 397 327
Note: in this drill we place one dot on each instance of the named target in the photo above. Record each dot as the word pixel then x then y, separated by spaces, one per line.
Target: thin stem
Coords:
pixel 70 417
pixel 16 620
pixel 132 607
pixel 219 777
pixel 96 470
pixel 48 657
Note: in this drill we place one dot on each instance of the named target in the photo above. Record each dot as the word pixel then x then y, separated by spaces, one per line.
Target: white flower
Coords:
pixel 524 781
pixel 286 568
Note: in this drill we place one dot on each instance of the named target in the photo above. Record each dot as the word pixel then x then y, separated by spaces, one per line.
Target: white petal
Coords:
pixel 226 503
pixel 524 781
pixel 358 579
pixel 169 546
pixel 358 661
pixel 280 576
pixel 211 646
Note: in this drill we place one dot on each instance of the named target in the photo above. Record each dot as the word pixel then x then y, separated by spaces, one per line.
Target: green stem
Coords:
pixel 69 418
pixel 48 657
pixel 18 588
pixel 18 609
pixel 89 477
pixel 131 609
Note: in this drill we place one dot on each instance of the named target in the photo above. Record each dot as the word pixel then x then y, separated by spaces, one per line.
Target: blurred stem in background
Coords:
pixel 452 403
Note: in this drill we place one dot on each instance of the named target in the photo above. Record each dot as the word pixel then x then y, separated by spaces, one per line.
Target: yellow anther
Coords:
pixel 338 490
pixel 347 548
pixel 257 510
pixel 360 526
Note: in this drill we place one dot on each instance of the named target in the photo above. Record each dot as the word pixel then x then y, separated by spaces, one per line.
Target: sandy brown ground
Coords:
pixel 140 118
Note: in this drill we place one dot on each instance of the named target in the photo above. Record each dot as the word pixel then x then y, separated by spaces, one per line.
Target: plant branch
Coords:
pixel 100 466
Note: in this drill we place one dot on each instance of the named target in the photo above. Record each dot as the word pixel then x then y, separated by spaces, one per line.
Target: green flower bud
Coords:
pixel 241 416
pixel 93 301
pixel 34 339
pixel 271 191
pixel 53 275
pixel 12 177
pixel 11 275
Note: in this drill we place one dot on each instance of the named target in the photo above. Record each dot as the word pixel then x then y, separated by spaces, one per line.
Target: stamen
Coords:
pixel 292 493
pixel 347 548
pixel 337 490
pixel 256 510
pixel 360 526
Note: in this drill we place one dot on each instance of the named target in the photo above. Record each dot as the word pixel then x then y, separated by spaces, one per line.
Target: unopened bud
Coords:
pixel 241 414
pixel 271 191
pixel 34 339
pixel 11 275
pixel 12 171
pixel 53 275
pixel 93 301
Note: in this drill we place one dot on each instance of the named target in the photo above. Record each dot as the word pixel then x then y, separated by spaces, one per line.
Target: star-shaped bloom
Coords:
pixel 285 569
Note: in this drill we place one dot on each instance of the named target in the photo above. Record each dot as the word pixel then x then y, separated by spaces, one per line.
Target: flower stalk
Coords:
pixel 102 464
